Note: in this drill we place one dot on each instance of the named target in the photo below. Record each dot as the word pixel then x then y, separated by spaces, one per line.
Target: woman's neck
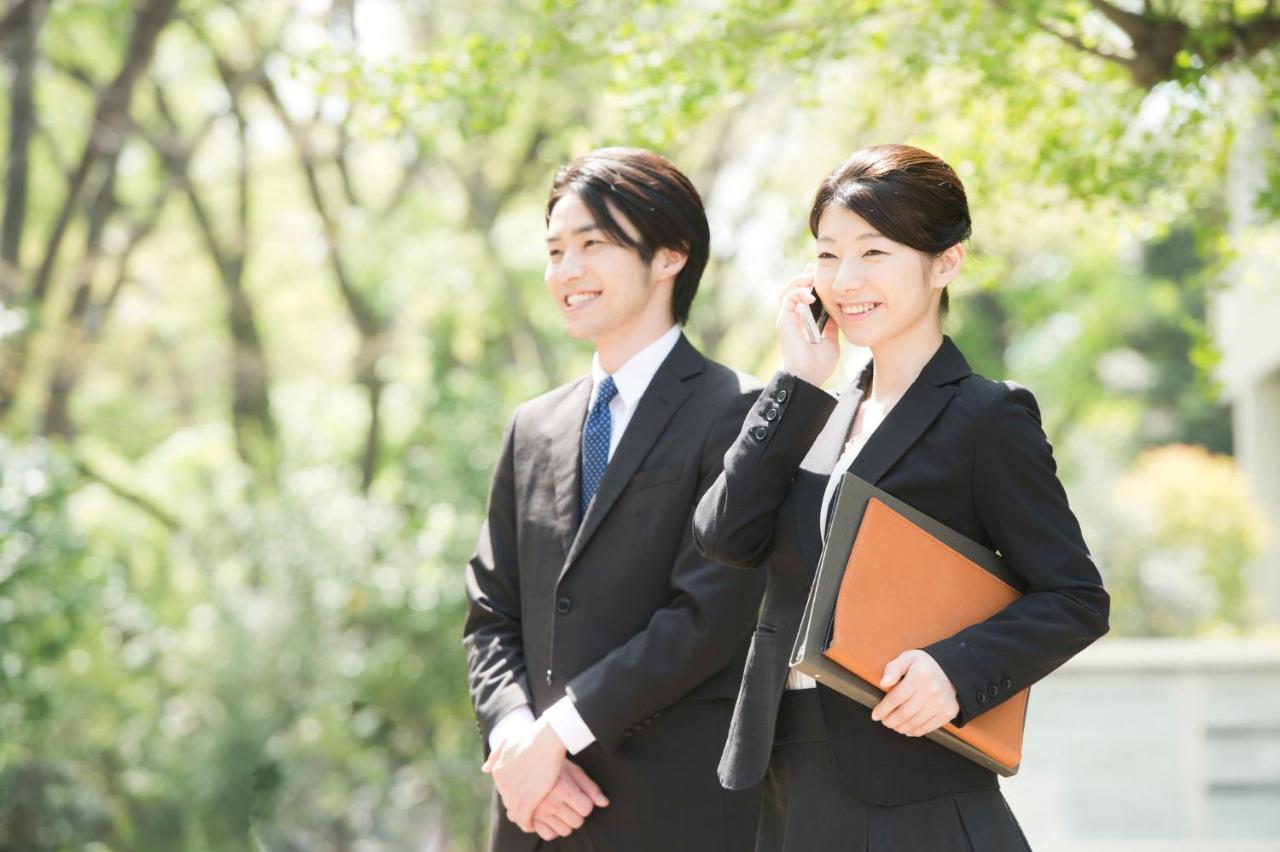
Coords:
pixel 899 360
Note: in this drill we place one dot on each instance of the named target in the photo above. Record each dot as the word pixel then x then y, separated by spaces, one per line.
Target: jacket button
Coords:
pixel 771 414
pixel 1007 683
pixel 563 605
pixel 981 697
pixel 759 433
pixel 993 690
pixel 780 395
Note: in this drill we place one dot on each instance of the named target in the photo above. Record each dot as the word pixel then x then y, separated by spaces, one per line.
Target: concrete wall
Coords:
pixel 1154 745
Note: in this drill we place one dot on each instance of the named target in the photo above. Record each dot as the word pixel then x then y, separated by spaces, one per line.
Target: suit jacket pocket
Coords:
pixel 655 476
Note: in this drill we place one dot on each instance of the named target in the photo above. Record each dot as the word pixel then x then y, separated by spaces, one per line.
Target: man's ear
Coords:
pixel 946 266
pixel 668 262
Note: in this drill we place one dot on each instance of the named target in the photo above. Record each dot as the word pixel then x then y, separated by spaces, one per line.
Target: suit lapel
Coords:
pixel 566 448
pixel 913 414
pixel 815 470
pixel 667 391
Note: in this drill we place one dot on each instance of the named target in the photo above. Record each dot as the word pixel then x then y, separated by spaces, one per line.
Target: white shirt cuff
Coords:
pixel 564 720
pixel 511 724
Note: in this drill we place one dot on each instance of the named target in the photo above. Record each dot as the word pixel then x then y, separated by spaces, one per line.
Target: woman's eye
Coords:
pixel 871 252
pixel 825 255
pixel 554 253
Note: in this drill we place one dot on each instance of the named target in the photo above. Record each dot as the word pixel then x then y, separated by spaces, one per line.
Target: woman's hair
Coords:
pixel 908 195
pixel 655 197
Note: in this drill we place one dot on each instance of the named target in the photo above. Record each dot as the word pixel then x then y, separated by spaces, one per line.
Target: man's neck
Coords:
pixel 621 346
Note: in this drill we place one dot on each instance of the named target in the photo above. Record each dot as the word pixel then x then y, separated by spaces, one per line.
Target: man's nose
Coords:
pixel 569 269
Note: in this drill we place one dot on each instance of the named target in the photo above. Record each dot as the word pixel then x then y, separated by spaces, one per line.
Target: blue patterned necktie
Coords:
pixel 595 444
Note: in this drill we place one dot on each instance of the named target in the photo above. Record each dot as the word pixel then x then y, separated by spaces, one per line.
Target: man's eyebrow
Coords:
pixel 576 231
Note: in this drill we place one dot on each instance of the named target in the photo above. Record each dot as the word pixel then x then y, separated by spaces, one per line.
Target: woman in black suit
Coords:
pixel 890 226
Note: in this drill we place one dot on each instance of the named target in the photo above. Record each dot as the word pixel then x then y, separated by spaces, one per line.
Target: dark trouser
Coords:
pixel 807 806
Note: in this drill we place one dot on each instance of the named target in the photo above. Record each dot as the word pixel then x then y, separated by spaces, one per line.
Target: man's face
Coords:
pixel 602 288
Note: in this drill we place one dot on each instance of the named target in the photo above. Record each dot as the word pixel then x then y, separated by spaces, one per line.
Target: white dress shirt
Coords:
pixel 632 380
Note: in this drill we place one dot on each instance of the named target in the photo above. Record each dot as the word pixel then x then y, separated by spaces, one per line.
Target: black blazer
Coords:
pixel 961 448
pixel 621 611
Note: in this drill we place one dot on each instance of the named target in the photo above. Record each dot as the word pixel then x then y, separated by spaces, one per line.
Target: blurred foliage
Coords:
pixel 270 285
pixel 1185 528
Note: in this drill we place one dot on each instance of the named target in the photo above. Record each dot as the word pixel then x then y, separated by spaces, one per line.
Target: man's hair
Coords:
pixel 655 197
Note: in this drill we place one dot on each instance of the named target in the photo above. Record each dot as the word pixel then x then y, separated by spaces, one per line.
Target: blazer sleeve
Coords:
pixel 735 519
pixel 697 634
pixel 492 633
pixel 1024 508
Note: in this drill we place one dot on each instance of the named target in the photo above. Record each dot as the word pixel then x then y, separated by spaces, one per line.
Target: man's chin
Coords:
pixel 581 331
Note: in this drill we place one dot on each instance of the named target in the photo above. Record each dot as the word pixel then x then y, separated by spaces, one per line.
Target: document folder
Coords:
pixel 891 579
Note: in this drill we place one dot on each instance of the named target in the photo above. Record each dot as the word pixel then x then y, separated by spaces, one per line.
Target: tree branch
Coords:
pixel 251 407
pixel 23 24
pixel 106 134
pixel 1073 41
pixel 371 327
pixel 130 496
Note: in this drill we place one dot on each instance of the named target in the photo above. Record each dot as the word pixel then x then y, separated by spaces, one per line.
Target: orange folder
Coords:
pixel 893 579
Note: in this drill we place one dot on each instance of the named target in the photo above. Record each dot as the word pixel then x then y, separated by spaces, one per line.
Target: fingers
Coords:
pixel 543 830
pixel 895 670
pixel 552 824
pixel 799 284
pixel 908 709
pixel 522 815
pixel 891 701
pixel 554 812
pixel 580 777
pixel 525 821
pixel 492 760
pixel 928 726
pixel 571 797
pixel 922 698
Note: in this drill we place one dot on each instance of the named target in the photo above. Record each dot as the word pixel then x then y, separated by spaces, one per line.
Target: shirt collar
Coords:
pixel 633 377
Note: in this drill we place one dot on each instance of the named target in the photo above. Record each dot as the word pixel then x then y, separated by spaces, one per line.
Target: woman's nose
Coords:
pixel 848 277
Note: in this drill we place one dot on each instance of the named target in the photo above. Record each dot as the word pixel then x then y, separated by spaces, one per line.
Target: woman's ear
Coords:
pixel 946 266
pixel 668 262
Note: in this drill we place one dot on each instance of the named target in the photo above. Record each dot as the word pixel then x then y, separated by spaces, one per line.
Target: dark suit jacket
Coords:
pixel 963 449
pixel 621 611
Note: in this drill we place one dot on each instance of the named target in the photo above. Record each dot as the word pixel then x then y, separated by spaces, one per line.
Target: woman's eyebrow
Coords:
pixel 869 235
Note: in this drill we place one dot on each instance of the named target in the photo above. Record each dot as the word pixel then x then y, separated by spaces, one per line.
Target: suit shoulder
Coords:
pixel 980 399
pixel 548 402
pixel 727 383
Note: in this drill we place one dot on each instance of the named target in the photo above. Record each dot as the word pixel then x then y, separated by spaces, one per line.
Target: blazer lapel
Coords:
pixel 566 448
pixel 665 394
pixel 918 408
pixel 815 470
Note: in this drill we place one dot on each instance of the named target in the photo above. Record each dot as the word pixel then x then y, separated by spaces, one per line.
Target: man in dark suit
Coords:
pixel 595 628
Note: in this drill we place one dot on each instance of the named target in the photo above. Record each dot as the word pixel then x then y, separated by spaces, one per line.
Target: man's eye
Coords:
pixel 554 253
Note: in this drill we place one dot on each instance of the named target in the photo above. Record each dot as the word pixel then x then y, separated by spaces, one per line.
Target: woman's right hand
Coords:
pixel 812 362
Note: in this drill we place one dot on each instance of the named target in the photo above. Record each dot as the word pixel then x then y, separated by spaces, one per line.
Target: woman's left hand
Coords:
pixel 919 696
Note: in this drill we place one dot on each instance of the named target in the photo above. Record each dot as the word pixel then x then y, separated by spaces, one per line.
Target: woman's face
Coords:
pixel 875 288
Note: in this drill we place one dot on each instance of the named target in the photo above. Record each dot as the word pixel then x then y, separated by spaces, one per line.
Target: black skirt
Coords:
pixel 808 808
